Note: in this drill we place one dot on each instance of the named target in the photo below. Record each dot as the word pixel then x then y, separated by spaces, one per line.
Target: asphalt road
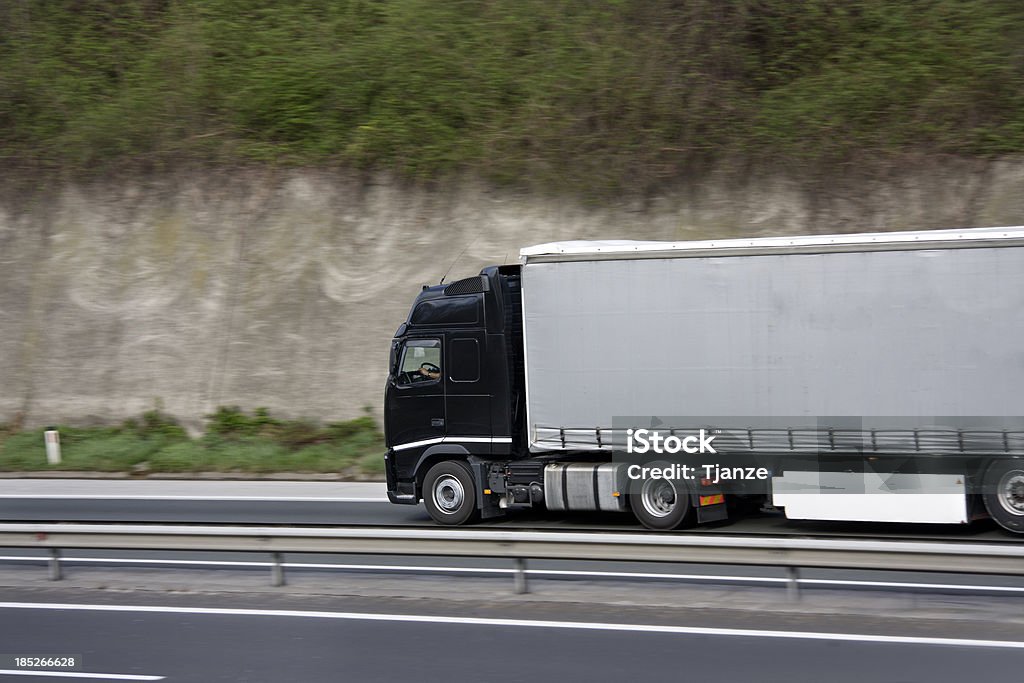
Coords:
pixel 243 639
pixel 160 623
pixel 341 503
pixel 364 504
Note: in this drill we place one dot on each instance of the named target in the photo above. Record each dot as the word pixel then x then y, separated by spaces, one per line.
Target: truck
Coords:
pixel 874 377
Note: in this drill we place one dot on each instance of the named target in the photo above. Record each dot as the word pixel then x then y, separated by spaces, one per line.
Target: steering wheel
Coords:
pixel 430 367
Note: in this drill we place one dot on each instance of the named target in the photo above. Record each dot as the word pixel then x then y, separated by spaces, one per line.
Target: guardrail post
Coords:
pixel 793 584
pixel 520 577
pixel 55 564
pixel 277 571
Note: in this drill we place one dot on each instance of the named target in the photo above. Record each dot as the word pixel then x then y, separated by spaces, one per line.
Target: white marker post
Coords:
pixel 52 439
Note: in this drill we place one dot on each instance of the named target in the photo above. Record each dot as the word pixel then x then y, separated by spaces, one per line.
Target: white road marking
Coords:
pixel 80 674
pixel 142 560
pixel 781 580
pixel 481 621
pixel 254 563
pixel 902 584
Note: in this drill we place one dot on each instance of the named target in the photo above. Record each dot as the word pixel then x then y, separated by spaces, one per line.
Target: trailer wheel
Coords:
pixel 449 493
pixel 662 504
pixel 1003 493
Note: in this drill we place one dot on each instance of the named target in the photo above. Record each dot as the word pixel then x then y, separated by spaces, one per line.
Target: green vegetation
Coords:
pixel 613 94
pixel 233 442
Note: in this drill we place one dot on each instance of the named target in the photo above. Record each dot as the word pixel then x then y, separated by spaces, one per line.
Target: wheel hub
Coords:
pixel 448 494
pixel 658 497
pixel 1011 492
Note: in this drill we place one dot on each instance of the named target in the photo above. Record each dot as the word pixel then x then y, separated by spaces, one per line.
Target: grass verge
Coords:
pixel 233 442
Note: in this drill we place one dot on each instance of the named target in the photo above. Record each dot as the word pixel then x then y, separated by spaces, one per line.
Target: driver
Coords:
pixel 430 371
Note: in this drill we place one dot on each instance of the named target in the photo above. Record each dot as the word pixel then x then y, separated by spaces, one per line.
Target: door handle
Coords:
pixel 437 422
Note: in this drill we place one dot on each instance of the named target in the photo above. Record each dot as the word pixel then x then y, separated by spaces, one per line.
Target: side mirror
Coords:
pixel 393 360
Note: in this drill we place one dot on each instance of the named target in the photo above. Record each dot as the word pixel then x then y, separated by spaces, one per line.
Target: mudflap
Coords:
pixel 709 499
pixel 487 503
pixel 712 513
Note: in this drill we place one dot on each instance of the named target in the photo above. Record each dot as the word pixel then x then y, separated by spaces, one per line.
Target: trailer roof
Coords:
pixel 582 250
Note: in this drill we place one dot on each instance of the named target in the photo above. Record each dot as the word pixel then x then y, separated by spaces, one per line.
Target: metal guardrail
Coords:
pixel 520 546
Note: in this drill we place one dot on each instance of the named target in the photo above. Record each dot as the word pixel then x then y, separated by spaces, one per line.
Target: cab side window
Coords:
pixel 464 355
pixel 420 362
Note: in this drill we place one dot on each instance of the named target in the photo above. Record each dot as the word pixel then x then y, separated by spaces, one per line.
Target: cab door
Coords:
pixel 466 394
pixel 416 394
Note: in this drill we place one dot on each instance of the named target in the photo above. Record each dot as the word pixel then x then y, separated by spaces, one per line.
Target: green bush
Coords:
pixel 155 424
pixel 607 94
pixel 233 422
pixel 344 430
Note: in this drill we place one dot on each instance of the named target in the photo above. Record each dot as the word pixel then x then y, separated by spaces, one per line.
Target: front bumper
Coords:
pixel 400 494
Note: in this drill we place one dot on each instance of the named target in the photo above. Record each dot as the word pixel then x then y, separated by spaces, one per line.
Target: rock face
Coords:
pixel 283 288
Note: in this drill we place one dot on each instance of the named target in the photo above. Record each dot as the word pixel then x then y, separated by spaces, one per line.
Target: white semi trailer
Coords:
pixel 874 377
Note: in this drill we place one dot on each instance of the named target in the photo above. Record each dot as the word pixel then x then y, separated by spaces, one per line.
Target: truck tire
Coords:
pixel 662 504
pixel 449 493
pixel 1003 493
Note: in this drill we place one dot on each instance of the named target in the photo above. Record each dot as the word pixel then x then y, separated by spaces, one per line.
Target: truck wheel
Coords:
pixel 662 504
pixel 449 493
pixel 1003 493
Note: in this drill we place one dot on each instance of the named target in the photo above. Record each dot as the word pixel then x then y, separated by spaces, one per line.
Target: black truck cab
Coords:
pixel 455 419
pixel 455 379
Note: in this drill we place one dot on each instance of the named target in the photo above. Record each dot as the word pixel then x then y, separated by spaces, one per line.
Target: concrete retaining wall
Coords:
pixel 282 288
